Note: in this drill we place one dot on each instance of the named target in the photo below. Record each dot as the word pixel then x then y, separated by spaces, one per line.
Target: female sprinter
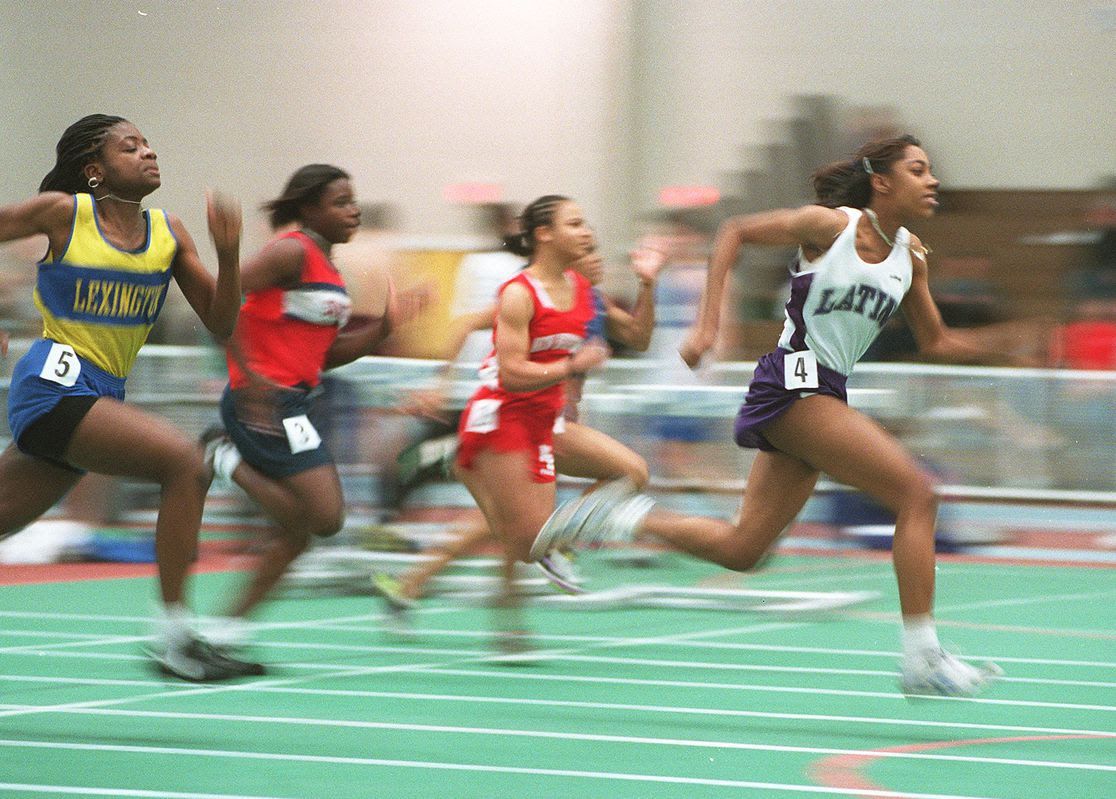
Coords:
pixel 506 452
pixel 857 265
pixel 292 327
pixel 101 286
pixel 579 450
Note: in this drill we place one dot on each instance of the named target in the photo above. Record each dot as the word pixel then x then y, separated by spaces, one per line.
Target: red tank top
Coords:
pixel 283 333
pixel 554 335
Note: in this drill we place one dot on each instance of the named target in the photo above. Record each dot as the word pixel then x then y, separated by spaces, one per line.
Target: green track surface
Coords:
pixel 622 703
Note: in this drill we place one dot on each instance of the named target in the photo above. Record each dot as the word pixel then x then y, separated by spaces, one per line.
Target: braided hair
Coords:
pixel 79 146
pixel 305 187
pixel 849 183
pixel 538 213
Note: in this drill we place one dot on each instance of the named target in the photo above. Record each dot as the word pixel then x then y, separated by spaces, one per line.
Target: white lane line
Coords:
pixel 85 790
pixel 808 750
pixel 503 732
pixel 661 709
pixel 345 672
pixel 534 772
pixel 810 650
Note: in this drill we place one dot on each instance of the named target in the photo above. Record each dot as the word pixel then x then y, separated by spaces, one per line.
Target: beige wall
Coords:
pixel 602 99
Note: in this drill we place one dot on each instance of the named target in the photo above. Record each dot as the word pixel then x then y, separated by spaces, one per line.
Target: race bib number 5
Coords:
pixel 301 434
pixel 61 365
pixel 800 370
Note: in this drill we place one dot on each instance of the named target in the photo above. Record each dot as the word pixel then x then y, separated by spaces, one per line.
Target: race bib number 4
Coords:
pixel 800 370
pixel 301 434
pixel 61 365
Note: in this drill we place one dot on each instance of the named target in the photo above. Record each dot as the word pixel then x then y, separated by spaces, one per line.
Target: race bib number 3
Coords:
pixel 62 365
pixel 301 434
pixel 800 370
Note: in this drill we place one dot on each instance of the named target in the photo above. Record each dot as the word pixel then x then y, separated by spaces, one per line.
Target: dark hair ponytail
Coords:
pixel 80 145
pixel 305 187
pixel 849 182
pixel 538 213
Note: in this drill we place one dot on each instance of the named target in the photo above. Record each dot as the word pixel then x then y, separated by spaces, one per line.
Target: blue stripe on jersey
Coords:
pixel 105 296
pixel 596 326
pixel 337 287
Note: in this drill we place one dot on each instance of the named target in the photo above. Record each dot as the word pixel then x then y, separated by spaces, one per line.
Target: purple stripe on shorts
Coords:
pixel 800 287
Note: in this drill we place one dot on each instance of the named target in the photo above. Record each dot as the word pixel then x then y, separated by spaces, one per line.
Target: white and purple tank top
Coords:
pixel 839 303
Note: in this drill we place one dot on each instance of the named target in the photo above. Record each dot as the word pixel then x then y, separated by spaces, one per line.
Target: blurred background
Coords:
pixel 662 118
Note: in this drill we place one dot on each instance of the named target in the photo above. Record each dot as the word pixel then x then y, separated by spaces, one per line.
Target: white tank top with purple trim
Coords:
pixel 839 303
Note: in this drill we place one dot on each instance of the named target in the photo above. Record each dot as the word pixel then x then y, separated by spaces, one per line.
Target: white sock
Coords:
pixel 919 635
pixel 226 457
pixel 229 631
pixel 173 625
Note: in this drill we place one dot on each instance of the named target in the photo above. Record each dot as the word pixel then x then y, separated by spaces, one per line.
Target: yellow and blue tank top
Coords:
pixel 99 299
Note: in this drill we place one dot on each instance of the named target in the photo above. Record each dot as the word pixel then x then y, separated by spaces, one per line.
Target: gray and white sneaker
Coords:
pixel 612 513
pixel 196 660
pixel 939 673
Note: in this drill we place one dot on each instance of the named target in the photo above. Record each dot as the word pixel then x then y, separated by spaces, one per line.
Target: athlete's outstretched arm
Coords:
pixel 935 339
pixel 216 302
pixel 634 329
pixel 812 227
pixel 365 332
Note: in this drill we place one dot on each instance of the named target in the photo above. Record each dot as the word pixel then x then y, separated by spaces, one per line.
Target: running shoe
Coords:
pixel 214 442
pixel 397 605
pixel 559 568
pixel 610 514
pixel 196 660
pixel 939 673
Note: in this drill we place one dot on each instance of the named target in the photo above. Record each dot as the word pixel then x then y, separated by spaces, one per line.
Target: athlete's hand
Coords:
pixel 592 355
pixel 430 403
pixel 223 215
pixel 697 342
pixel 647 262
pixel 403 306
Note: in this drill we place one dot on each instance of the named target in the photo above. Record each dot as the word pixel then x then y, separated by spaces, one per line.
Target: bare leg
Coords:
pixel 304 505
pixel 463 539
pixel 29 487
pixel 514 505
pixel 778 486
pixel 858 452
pixel 584 452
pixel 822 434
pixel 579 452
pixel 122 440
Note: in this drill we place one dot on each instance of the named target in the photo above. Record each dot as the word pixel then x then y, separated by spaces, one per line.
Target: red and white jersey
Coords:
pixel 284 333
pixel 554 335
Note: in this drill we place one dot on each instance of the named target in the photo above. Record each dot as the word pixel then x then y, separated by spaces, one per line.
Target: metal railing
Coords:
pixel 996 433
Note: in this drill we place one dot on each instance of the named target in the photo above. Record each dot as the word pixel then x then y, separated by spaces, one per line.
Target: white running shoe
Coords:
pixel 560 569
pixel 196 660
pixel 611 513
pixel 938 673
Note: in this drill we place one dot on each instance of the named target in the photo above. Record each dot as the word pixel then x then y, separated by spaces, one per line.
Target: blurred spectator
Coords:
pixel 1088 340
pixel 679 437
pixel 1096 278
pixel 480 274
